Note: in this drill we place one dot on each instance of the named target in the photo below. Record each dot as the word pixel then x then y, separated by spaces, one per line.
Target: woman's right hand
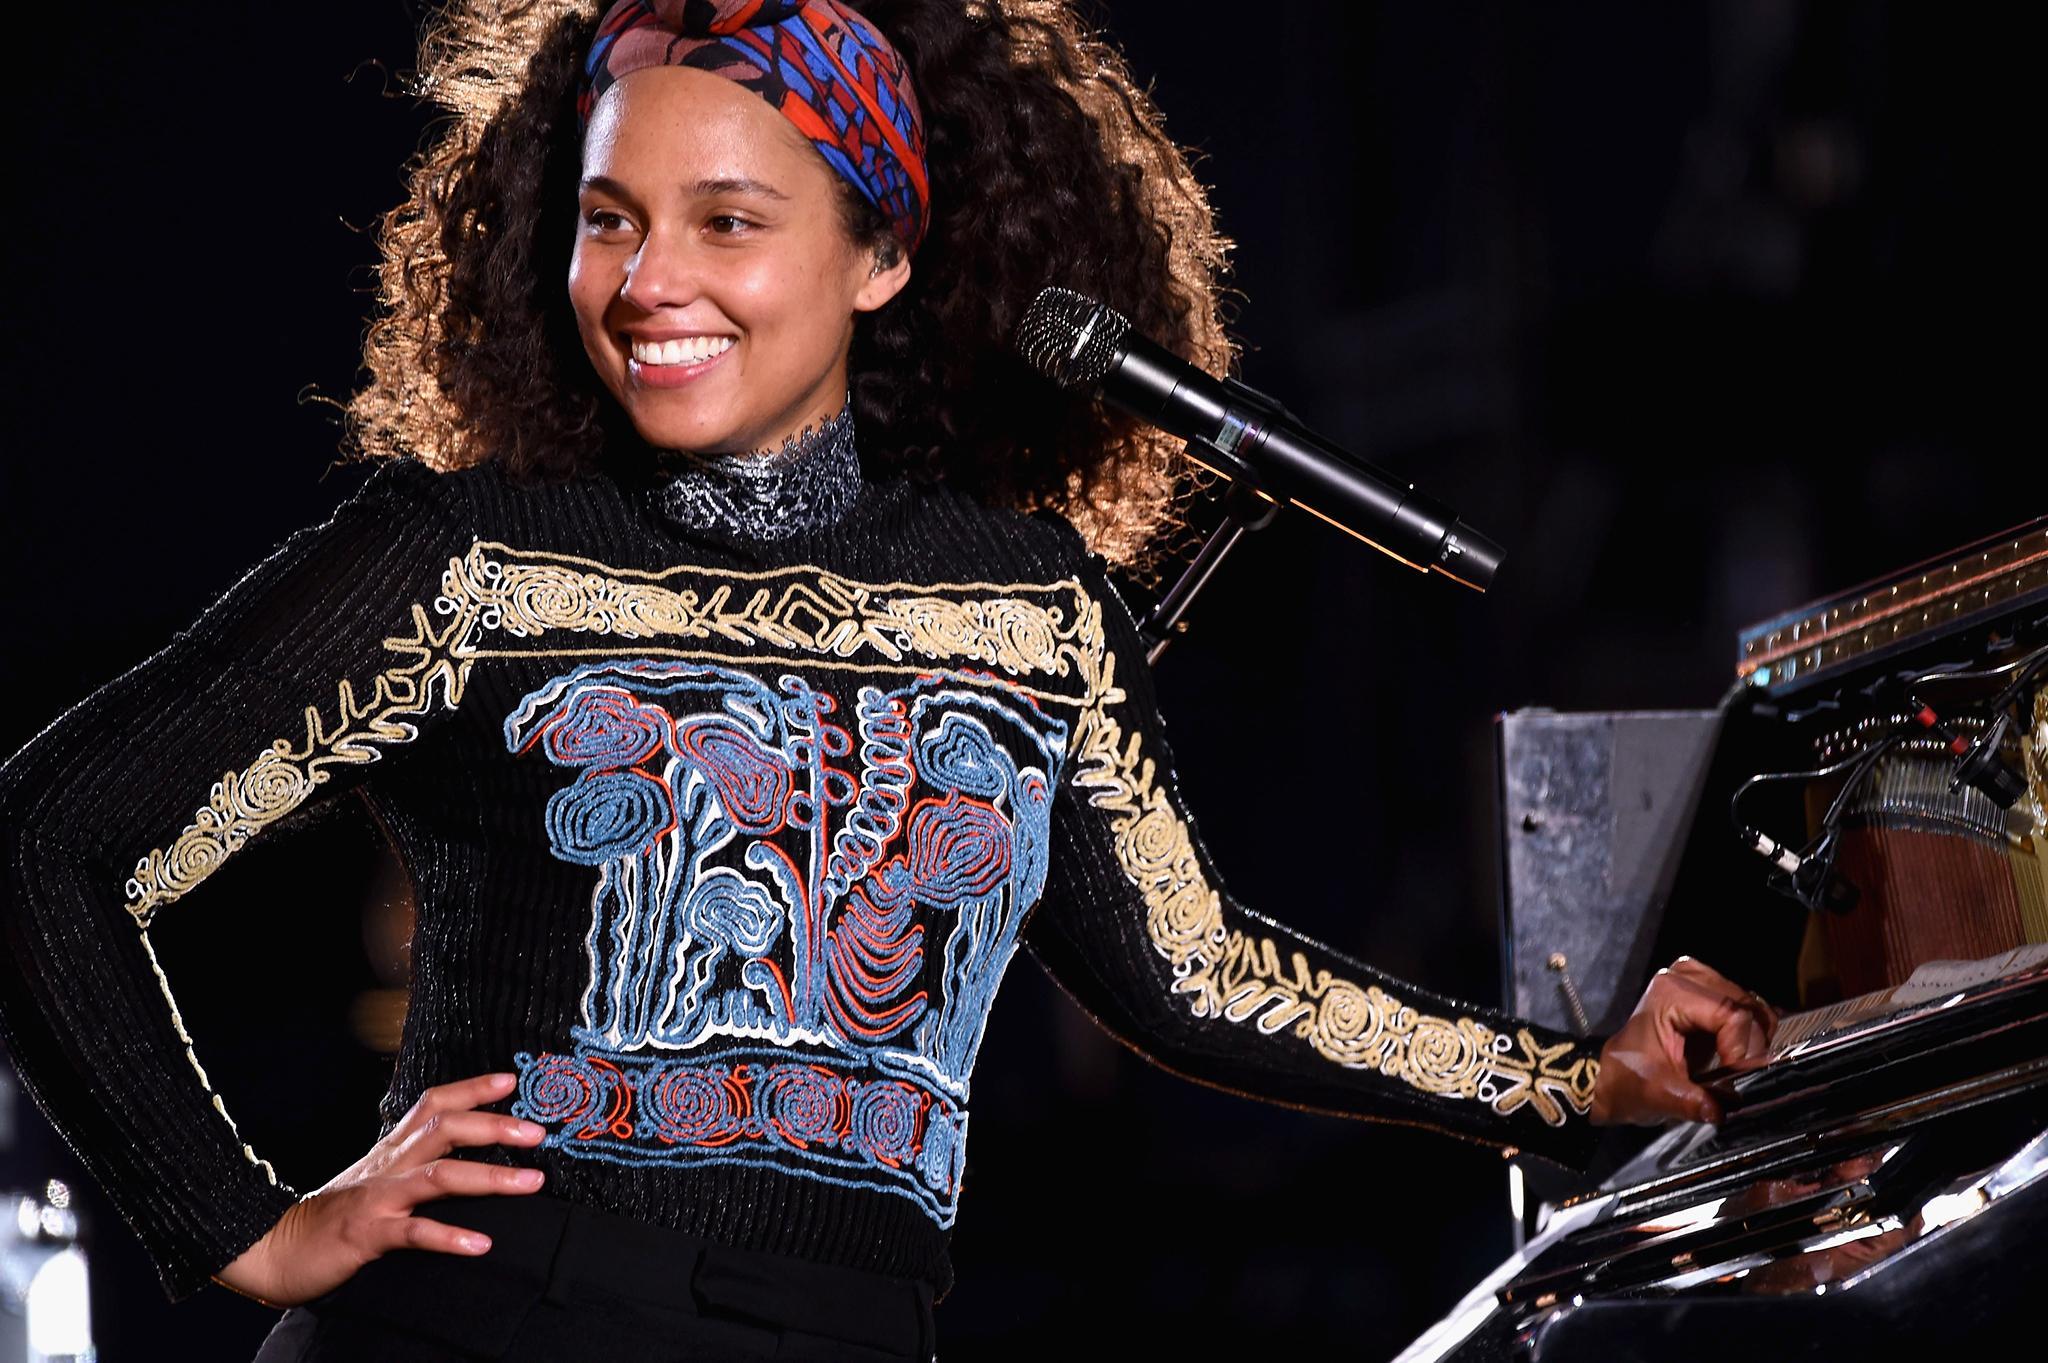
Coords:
pixel 1645 1074
pixel 367 1209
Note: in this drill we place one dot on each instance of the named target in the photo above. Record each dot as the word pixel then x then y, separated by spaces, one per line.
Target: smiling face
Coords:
pixel 713 283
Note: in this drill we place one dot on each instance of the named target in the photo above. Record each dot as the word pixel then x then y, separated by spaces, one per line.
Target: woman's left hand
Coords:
pixel 1644 1075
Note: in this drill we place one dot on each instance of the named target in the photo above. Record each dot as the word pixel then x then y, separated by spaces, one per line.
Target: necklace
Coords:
pixel 808 484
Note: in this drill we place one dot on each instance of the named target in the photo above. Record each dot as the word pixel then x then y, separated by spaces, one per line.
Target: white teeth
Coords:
pixel 689 350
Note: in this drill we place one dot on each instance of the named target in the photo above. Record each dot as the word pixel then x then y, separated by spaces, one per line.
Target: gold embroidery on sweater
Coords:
pixel 242 803
pixel 1019 627
pixel 1230 974
pixel 178 1021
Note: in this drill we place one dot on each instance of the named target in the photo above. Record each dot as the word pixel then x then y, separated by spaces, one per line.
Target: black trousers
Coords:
pixel 563 1283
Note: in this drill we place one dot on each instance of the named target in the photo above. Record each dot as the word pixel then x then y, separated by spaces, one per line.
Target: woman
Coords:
pixel 727 644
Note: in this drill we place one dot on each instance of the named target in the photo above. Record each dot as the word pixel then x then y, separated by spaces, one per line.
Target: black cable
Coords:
pixel 1806 875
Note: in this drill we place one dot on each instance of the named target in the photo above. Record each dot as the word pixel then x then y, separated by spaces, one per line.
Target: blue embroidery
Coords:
pixel 761 988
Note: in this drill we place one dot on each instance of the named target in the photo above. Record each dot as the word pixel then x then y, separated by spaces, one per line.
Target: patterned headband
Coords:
pixel 822 66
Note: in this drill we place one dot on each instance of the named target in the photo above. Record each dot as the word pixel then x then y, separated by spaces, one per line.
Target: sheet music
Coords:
pixel 1936 978
pixel 1930 983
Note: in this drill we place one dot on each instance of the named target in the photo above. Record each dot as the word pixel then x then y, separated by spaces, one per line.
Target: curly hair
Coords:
pixel 1046 165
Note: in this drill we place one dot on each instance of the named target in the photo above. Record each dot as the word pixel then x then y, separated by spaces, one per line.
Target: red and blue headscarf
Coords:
pixel 817 63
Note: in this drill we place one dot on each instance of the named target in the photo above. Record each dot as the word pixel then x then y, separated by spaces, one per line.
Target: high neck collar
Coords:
pixel 807 485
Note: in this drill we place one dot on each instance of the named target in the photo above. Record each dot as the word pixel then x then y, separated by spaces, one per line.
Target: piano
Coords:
pixel 1860 831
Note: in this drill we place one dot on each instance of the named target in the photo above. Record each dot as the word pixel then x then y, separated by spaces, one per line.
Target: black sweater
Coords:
pixel 723 844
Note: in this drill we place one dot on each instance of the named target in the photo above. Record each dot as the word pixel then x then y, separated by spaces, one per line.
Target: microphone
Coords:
pixel 1080 343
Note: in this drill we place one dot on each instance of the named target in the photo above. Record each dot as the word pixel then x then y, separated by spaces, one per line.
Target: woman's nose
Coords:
pixel 663 273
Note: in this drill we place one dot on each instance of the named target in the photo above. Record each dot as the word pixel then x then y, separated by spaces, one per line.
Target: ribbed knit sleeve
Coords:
pixel 290 688
pixel 1138 927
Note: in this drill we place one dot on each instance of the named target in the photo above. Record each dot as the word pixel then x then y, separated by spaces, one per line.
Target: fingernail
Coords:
pixel 478 1243
pixel 530 1177
pixel 532 1129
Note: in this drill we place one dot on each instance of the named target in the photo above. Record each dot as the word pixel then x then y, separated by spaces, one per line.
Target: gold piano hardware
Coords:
pixel 1831 632
pixel 1558 963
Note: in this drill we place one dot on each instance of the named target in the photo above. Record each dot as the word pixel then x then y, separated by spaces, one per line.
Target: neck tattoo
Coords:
pixel 808 484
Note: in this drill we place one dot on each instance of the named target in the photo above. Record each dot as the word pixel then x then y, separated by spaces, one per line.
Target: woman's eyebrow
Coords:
pixel 739 185
pixel 734 184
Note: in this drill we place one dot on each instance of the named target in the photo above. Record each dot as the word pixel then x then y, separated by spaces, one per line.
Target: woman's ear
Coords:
pixel 884 281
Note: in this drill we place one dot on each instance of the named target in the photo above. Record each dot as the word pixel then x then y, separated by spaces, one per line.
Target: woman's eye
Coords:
pixel 739 223
pixel 596 217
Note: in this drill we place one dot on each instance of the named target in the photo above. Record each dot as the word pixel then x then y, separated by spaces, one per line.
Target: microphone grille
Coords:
pixel 1070 338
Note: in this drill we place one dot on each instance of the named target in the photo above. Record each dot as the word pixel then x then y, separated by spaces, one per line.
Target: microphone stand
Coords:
pixel 1245 509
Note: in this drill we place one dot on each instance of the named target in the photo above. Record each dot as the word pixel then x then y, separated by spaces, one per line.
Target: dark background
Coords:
pixel 1701 310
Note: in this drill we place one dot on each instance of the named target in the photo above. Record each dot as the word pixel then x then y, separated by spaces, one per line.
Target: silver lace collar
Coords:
pixel 808 484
